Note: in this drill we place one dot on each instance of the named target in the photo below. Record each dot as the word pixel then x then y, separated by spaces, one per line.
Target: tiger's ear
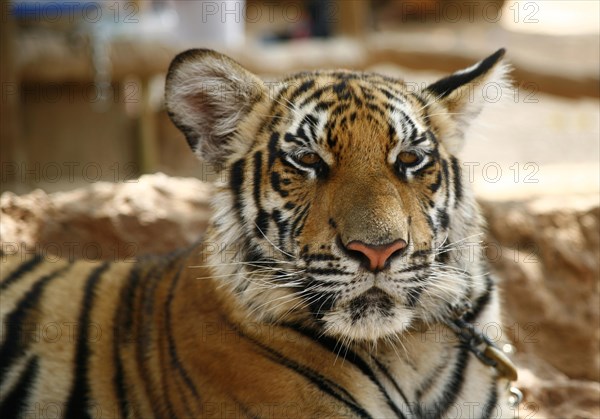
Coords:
pixel 207 95
pixel 462 96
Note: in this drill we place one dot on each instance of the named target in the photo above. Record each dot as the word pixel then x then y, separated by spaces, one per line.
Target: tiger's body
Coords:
pixel 322 288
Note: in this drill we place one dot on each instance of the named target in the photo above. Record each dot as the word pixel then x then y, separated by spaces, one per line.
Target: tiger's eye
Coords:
pixel 408 158
pixel 309 159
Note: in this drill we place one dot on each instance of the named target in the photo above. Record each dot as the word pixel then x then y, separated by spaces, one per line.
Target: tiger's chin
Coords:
pixel 370 327
pixel 371 316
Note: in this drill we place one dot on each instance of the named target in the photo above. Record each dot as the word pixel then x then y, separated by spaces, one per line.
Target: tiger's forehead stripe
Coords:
pixel 312 105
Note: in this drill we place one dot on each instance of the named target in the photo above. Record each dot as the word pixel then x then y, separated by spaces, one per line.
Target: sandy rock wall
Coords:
pixel 546 253
pixel 153 214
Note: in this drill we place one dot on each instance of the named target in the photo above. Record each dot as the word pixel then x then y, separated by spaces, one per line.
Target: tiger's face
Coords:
pixel 342 199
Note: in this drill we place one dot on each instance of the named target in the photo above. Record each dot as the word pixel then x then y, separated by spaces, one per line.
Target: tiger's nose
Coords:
pixel 376 256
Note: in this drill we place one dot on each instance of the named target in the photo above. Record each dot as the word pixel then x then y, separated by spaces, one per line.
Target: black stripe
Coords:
pixel 423 170
pixel 431 378
pixel 318 257
pixel 129 302
pixel 438 181
pixel 174 355
pixel 304 87
pixel 16 341
pixel 454 385
pixel 414 268
pixel 320 302
pixel 273 150
pixel 344 75
pixel 282 226
pixel 262 223
pixel 490 404
pixel 143 310
pixel 301 134
pixel 316 95
pixel 443 218
pixel 298 220
pixel 413 295
pixel 418 140
pixel 447 85
pixel 276 184
pixel 23 268
pixel 430 222
pixel 389 376
pixel 431 136
pixel 327 386
pixel 458 191
pixel 481 302
pixel 336 347
pixel 78 402
pixel 123 325
pixel 412 129
pixel 327 271
pixel 289 137
pixel 166 366
pixel 388 93
pixel 324 105
pixel 446 181
pixel 262 217
pixel 367 92
pixel 271 118
pixel 339 109
pixel 342 90
pixel 443 257
pixel 310 121
pixel 332 139
pixel 236 180
pixel 15 401
pixel 421 253
pixel 299 223
pixel 119 381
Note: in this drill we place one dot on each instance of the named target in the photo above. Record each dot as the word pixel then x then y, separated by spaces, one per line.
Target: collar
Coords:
pixel 488 353
pixel 484 349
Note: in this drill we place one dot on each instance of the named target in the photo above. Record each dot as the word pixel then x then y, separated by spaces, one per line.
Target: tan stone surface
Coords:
pixel 547 252
pixel 155 214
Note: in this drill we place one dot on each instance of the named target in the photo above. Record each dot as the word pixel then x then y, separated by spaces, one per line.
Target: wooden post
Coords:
pixel 353 17
pixel 148 147
pixel 11 147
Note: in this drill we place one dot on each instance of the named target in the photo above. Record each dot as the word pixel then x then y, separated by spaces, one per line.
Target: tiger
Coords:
pixel 340 271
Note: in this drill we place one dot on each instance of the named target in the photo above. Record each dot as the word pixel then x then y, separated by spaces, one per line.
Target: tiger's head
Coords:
pixel 340 202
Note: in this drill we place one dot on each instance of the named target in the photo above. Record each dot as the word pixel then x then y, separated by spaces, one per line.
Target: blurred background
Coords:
pixel 84 135
pixel 82 82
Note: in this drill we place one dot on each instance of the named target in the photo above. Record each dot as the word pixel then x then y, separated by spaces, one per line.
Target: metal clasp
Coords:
pixel 484 349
